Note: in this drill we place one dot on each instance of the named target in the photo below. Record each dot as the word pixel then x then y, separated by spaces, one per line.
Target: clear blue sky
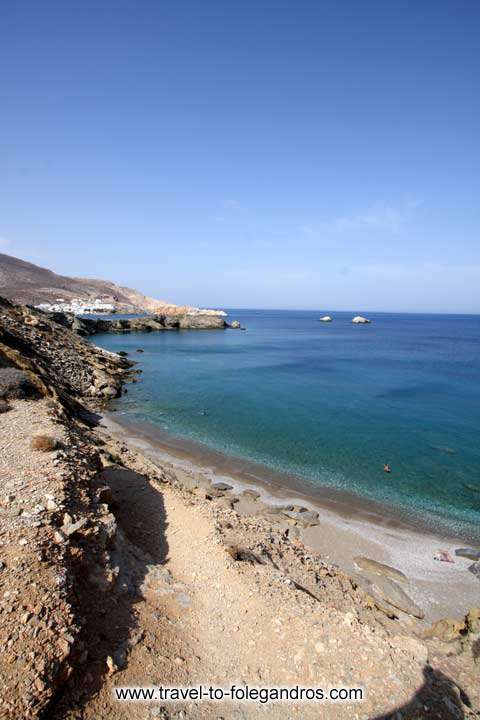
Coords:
pixel 320 154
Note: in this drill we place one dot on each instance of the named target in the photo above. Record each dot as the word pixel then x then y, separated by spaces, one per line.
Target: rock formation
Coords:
pixel 359 320
pixel 149 323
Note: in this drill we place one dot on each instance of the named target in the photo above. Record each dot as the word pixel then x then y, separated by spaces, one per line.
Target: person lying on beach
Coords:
pixel 444 556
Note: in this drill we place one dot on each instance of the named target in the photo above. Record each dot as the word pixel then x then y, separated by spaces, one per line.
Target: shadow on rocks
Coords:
pixel 107 599
pixel 439 698
pixel 15 385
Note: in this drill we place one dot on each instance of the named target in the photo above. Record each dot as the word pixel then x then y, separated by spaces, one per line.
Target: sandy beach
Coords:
pixel 348 527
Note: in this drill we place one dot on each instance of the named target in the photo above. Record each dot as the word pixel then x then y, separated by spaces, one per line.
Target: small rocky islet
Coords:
pixel 357 320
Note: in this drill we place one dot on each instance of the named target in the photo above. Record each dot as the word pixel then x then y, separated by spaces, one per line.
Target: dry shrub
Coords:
pixel 44 443
pixel 15 384
pixel 4 407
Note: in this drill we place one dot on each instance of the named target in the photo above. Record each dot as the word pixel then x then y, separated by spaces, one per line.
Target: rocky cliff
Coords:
pixel 150 323
pixel 59 363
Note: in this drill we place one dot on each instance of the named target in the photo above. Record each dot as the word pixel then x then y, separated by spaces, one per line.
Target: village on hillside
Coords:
pixel 77 306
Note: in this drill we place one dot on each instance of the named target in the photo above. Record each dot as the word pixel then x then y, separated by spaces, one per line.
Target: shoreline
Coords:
pixel 348 527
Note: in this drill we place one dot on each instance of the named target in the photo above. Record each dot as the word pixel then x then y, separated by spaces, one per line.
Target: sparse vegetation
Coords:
pixel 44 443
pixel 115 459
pixel 14 384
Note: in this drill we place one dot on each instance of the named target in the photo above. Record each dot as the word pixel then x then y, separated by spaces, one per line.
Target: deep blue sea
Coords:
pixel 330 403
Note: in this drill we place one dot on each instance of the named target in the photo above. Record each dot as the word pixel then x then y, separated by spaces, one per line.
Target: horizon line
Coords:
pixel 374 312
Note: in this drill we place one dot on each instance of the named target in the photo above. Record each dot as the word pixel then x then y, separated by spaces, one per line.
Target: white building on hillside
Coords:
pixel 78 306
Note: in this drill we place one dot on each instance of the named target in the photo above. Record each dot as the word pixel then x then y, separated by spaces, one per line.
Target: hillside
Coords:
pixel 29 284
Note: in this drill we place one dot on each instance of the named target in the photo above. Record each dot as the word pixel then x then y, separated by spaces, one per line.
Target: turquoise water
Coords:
pixel 330 403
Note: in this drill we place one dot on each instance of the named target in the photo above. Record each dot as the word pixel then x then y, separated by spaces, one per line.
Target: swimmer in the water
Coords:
pixel 387 468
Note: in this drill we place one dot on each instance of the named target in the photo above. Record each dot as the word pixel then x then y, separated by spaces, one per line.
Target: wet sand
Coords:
pixel 348 526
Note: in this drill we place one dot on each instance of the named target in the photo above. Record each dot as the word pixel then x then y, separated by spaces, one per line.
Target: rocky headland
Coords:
pixel 150 323
pixel 117 570
pixel 29 284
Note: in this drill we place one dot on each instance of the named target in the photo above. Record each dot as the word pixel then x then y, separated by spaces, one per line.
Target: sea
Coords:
pixel 328 403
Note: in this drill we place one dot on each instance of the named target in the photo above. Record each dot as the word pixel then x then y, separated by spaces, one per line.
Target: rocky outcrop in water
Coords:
pixel 149 323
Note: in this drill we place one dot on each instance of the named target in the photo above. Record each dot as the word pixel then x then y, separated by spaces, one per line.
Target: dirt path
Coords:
pixel 189 613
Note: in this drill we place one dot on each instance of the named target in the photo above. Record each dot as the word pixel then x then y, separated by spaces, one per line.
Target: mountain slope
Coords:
pixel 26 283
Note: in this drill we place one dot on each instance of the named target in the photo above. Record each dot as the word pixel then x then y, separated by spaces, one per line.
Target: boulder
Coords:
pixel 251 493
pixel 31 320
pixel 360 320
pixel 293 533
pixel 475 569
pixel 379 568
pixel 187 481
pixel 223 486
pixel 224 502
pixel 71 528
pixel 200 493
pixel 446 630
pixel 386 590
pixel 105 495
pixel 107 530
pixel 304 519
pixel 235 325
pixel 468 553
pixel 278 509
pixel 109 392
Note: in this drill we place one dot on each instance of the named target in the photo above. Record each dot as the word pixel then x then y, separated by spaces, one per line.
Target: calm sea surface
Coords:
pixel 330 403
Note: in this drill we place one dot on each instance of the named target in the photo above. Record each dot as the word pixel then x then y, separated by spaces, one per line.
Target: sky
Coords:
pixel 247 153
